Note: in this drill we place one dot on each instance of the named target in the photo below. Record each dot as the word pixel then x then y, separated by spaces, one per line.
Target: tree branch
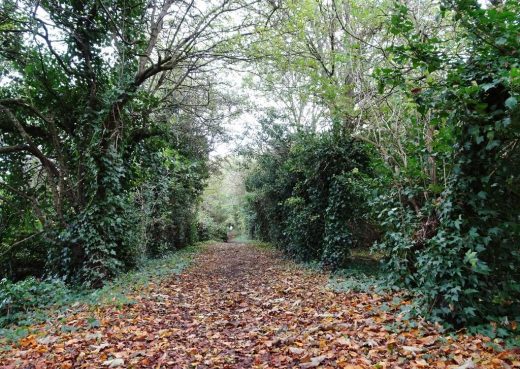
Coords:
pixel 31 146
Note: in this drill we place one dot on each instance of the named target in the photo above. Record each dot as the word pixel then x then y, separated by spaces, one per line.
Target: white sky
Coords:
pixel 247 122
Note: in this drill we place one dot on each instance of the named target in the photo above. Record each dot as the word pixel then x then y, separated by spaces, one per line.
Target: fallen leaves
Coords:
pixel 241 307
pixel 315 361
pixel 47 340
pixel 412 349
pixel 114 363
pixel 296 350
pixel 469 364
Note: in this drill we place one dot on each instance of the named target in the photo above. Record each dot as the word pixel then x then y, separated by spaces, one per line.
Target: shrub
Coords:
pixel 456 240
pixel 208 229
pixel 307 197
pixel 21 297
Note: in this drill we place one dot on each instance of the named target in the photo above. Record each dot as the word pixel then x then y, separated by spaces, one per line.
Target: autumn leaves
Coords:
pixel 244 307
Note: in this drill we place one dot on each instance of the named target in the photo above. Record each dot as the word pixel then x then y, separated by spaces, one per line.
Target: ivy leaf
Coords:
pixel 511 102
pixel 487 86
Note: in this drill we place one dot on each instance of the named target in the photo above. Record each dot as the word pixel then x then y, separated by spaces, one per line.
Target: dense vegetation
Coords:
pixel 386 125
pixel 405 136
pixel 105 132
pixel 220 215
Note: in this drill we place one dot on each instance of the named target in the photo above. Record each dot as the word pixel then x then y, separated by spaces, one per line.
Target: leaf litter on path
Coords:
pixel 239 306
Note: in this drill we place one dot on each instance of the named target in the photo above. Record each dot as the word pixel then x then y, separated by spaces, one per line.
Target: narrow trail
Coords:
pixel 239 306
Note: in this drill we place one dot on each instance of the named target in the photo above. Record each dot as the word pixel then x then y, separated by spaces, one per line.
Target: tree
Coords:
pixel 87 85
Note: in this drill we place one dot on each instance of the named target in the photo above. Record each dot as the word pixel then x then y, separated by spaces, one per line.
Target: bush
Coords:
pixel 307 196
pixel 21 297
pixel 208 229
pixel 455 240
pixel 347 219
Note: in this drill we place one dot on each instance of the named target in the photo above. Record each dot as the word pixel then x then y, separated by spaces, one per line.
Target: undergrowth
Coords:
pixel 366 275
pixel 362 274
pixel 31 301
pixel 242 238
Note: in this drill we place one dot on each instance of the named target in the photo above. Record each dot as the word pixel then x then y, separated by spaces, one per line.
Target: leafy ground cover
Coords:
pixel 240 306
pixel 33 302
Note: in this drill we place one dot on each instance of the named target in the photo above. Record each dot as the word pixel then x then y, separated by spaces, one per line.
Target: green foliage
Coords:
pixel 439 186
pixel 31 300
pixel 364 275
pixel 302 193
pixel 220 213
pixel 16 299
pixel 208 229
pixel 457 242
pixel 348 224
pixel 101 167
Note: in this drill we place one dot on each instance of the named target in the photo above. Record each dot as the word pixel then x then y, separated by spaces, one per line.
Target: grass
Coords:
pixel 114 292
pixel 263 245
pixel 153 270
pixel 243 238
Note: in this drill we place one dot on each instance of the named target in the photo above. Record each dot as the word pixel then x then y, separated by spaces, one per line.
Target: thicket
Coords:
pixel 304 194
pixel 417 148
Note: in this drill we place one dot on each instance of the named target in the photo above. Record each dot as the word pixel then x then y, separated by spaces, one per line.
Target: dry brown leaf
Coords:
pixel 315 361
pixel 343 341
pixel 412 349
pixel 114 363
pixel 296 350
pixel 469 364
